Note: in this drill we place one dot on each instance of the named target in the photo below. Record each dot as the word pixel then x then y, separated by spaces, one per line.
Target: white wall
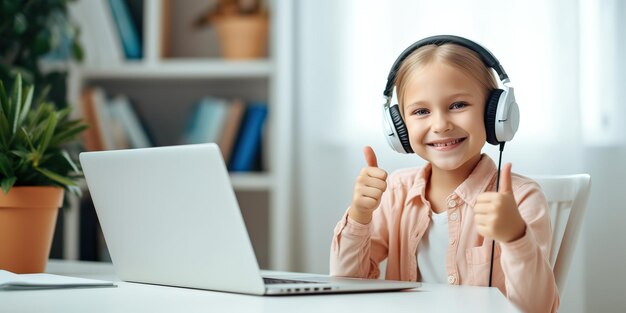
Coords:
pixel 605 247
pixel 339 97
pixel 323 183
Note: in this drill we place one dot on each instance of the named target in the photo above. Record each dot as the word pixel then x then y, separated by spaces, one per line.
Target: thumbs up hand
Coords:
pixel 368 189
pixel 496 214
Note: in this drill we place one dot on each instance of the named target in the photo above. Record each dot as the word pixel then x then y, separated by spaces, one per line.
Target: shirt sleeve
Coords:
pixel 529 279
pixel 357 249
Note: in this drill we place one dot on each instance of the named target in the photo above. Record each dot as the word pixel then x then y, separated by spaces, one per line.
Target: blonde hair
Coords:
pixel 459 57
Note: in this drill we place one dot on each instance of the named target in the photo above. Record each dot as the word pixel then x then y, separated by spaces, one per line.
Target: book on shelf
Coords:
pixel 248 145
pixel 98 136
pixel 165 11
pixel 116 129
pixel 206 121
pixel 235 126
pixel 231 127
pixel 97 32
pixel 12 281
pixel 91 136
pixel 136 9
pixel 127 29
pixel 133 128
pixel 113 124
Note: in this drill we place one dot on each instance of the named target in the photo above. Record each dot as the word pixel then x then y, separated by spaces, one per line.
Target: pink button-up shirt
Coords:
pixel 521 268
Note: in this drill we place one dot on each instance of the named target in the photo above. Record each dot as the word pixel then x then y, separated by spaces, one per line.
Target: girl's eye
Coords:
pixel 420 112
pixel 458 105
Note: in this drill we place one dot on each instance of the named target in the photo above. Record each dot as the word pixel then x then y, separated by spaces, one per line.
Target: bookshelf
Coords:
pixel 166 83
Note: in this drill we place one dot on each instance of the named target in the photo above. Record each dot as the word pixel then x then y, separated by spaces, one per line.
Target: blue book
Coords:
pixel 191 124
pixel 214 123
pixel 248 142
pixel 196 122
pixel 126 29
pixel 206 121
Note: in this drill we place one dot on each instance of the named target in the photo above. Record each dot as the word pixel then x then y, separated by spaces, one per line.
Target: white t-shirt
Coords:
pixel 431 251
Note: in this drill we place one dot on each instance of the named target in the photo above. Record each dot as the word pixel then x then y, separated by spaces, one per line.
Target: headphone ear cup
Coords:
pixel 398 124
pixel 490 115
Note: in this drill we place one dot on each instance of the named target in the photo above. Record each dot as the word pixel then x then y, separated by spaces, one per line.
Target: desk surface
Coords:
pixel 131 297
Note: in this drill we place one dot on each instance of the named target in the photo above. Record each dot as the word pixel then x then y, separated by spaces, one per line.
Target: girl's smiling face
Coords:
pixel 444 114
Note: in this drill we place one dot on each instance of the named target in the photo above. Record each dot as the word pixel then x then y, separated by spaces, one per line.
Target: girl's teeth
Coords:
pixel 447 143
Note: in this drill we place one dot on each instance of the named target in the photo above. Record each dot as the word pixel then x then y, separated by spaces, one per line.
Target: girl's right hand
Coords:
pixel 368 189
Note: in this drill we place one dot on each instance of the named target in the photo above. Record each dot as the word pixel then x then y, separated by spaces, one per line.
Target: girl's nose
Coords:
pixel 440 123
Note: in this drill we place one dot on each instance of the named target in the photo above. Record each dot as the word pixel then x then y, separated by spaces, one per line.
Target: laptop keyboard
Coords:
pixel 286 281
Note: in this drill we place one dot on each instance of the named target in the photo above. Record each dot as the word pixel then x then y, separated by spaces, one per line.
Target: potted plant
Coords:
pixel 35 169
pixel 242 28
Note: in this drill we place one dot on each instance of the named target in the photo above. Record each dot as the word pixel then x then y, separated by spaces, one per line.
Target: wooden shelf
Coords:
pixel 181 69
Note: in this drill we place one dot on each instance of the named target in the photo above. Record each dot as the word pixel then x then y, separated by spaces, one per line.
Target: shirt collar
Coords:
pixel 476 183
pixel 419 185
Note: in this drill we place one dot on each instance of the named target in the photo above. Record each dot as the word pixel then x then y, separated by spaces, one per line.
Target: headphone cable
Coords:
pixel 493 241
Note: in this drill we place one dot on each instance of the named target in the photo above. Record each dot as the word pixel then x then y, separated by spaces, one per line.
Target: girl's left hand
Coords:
pixel 496 214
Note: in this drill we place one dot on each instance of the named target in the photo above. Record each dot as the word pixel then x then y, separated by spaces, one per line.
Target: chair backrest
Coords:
pixel 567 197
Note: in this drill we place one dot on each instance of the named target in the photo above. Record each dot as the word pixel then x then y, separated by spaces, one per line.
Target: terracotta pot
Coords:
pixel 27 219
pixel 242 36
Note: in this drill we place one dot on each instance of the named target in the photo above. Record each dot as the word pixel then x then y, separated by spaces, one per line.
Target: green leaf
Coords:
pixel 70 161
pixel 27 137
pixel 20 24
pixel 64 113
pixel 15 103
pixel 5 166
pixel 26 104
pixel 67 135
pixel 75 190
pixel 77 51
pixel 7 183
pixel 37 115
pixel 56 177
pixel 3 98
pixel 43 95
pixel 4 131
pixel 21 154
pixel 42 42
pixel 47 135
pixel 69 124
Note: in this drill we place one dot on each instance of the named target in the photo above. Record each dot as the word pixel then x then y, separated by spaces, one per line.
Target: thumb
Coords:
pixel 505 178
pixel 370 156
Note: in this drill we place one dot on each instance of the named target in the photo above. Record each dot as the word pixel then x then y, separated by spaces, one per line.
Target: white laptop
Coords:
pixel 170 217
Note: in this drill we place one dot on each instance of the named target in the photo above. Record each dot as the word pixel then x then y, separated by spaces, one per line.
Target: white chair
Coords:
pixel 567 197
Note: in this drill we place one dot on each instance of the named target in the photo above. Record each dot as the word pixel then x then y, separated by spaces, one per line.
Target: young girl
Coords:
pixel 437 223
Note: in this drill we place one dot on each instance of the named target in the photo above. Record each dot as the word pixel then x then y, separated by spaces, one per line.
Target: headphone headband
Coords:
pixel 486 56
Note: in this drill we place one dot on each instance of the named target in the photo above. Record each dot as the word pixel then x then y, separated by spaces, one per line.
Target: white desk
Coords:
pixel 130 297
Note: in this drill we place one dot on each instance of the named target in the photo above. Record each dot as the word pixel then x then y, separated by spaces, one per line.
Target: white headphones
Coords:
pixel 501 110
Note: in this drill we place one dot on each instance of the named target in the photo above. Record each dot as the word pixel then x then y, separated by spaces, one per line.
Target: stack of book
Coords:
pixel 114 123
pixel 237 127
pixel 111 30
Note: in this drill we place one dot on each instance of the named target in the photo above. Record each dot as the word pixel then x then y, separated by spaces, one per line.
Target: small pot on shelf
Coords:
pixel 242 36
pixel 241 27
